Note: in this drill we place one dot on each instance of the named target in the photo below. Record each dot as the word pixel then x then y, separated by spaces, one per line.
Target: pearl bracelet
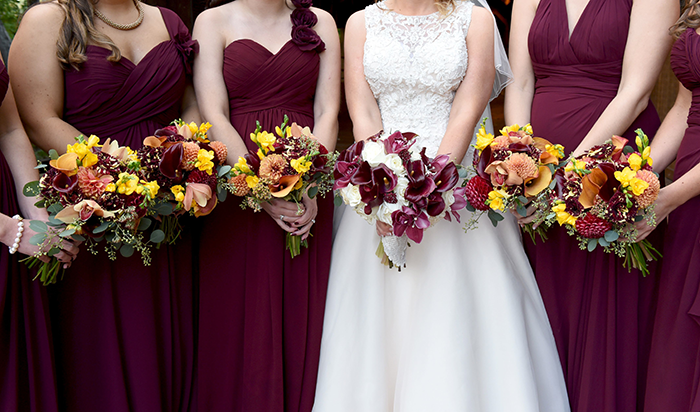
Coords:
pixel 20 232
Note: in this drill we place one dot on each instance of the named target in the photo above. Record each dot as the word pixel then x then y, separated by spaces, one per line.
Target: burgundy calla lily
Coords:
pixel 436 204
pixel 447 178
pixel 170 163
pixel 420 185
pixel 608 189
pixel 166 131
pixel 363 176
pixel 483 161
pixel 64 183
pixel 384 179
pixel 253 161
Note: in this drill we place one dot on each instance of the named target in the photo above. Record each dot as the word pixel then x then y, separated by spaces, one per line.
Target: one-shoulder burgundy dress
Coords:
pixel 674 367
pixel 124 332
pixel 600 314
pixel 27 375
pixel 261 312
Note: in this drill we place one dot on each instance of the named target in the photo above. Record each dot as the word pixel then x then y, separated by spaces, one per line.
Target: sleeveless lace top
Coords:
pixel 414 65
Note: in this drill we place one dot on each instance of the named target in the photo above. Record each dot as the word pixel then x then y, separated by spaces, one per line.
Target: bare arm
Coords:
pixel 363 108
pixel 37 78
pixel 327 99
pixel 649 37
pixel 519 94
pixel 473 94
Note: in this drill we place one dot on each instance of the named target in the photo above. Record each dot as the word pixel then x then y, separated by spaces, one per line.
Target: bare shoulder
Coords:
pixel 356 22
pixel 481 16
pixel 326 23
pixel 44 15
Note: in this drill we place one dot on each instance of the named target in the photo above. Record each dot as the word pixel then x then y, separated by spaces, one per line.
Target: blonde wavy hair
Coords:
pixel 77 31
pixel 445 7
pixel 690 18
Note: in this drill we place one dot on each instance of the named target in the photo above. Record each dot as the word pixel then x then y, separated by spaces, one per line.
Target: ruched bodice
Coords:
pixel 136 99
pixel 685 62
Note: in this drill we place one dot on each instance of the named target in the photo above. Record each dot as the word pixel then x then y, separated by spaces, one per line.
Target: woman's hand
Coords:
pixel 307 220
pixel 68 248
pixel 284 213
pixel 528 218
pixel 384 229
pixel 662 209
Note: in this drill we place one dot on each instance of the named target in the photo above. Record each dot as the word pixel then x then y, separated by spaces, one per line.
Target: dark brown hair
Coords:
pixel 690 18
pixel 78 29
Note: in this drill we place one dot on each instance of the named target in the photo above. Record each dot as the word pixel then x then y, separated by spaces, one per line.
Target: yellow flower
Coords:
pixel 178 192
pixel 288 131
pixel 151 188
pixel 252 181
pixel 261 155
pixel 638 186
pixel 555 150
pixel 528 128
pixel 575 166
pixel 193 127
pixel 495 200
pixel 646 155
pixel 279 131
pixel 506 130
pixel 110 187
pixel 242 166
pixel 563 217
pixel 638 140
pixel 299 184
pixel 84 152
pixel 625 176
pixel 204 160
pixel 267 141
pixel 483 139
pixel 127 183
pixel 204 128
pixel 635 161
pixel 301 165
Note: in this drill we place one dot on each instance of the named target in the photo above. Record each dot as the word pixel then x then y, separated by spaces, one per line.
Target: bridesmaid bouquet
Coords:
pixel 93 192
pixel 513 171
pixel 385 179
pixel 189 169
pixel 285 166
pixel 603 192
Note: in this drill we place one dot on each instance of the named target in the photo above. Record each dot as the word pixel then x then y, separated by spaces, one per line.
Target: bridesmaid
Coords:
pixel 261 312
pixel 124 333
pixel 584 70
pixel 27 374
pixel 674 368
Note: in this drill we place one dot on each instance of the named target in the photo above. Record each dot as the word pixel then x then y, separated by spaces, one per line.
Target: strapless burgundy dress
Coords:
pixel 27 375
pixel 261 312
pixel 601 315
pixel 674 367
pixel 125 333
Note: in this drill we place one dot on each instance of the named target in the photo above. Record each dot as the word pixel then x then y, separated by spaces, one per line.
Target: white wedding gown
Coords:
pixel 463 326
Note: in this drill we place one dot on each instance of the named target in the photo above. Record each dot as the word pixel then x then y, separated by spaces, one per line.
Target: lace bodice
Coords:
pixel 414 65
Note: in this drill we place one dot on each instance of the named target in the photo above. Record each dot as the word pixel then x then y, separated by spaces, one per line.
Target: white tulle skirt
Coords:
pixel 461 328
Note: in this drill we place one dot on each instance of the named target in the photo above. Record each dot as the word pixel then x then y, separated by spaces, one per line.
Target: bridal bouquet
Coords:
pixel 385 179
pixel 189 169
pixel 93 192
pixel 286 166
pixel 514 171
pixel 603 192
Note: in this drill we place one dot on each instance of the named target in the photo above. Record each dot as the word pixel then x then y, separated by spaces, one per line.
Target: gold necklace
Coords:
pixel 118 26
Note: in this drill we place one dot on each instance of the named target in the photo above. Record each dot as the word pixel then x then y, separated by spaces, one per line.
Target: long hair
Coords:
pixel 445 7
pixel 78 29
pixel 690 18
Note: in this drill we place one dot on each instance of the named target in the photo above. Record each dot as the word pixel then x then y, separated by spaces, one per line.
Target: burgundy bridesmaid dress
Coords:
pixel 601 315
pixel 124 333
pixel 261 312
pixel 674 367
pixel 27 375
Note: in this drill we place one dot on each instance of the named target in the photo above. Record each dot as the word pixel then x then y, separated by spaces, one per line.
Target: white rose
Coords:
pixel 449 198
pixel 373 153
pixel 401 186
pixel 385 211
pixel 393 162
pixel 351 195
pixel 415 152
pixel 371 218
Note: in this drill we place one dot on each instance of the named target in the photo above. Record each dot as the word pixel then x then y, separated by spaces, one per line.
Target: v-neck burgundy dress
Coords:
pixel 261 312
pixel 124 333
pixel 674 367
pixel 27 375
pixel 601 315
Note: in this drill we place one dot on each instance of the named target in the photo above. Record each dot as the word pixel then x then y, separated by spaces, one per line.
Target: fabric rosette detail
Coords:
pixel 385 178
pixel 188 49
pixel 303 21
pixel 289 163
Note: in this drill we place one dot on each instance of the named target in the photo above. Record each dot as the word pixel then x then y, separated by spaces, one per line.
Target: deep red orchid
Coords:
pixel 410 222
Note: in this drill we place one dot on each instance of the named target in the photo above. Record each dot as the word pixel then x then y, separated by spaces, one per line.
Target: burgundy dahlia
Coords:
pixel 477 192
pixel 592 227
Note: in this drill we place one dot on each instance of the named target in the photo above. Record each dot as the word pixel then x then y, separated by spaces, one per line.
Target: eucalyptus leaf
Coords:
pixel 164 209
pixel 638 218
pixel 53 222
pixel 67 233
pixel 78 238
pixel 494 217
pixel 551 168
pixel 523 200
pixel 109 237
pixel 101 228
pixel 611 236
pixel 157 236
pixel 53 154
pixel 338 201
pixel 592 243
pixel 553 184
pixel 628 150
pixel 313 191
pixel 223 170
pixel 38 226
pixel 54 208
pixel 37 239
pixel 470 208
pixel 40 166
pixel 40 204
pixel 54 250
pixel 126 250
pixel 603 242
pixel 222 195
pixel 522 211
pixel 144 224
pixel 31 189
pixel 462 172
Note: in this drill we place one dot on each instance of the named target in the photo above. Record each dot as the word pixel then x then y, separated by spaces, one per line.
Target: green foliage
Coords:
pixel 10 12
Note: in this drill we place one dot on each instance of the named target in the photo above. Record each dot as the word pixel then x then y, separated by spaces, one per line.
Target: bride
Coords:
pixel 462 327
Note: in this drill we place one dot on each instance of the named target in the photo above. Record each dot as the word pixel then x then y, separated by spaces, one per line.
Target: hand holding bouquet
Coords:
pixel 603 192
pixel 513 172
pixel 385 179
pixel 287 165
